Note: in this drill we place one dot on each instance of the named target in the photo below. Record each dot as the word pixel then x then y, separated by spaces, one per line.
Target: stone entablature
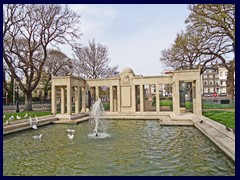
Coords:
pixel 124 90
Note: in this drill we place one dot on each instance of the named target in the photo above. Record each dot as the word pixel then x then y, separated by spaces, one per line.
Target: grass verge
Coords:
pixel 226 118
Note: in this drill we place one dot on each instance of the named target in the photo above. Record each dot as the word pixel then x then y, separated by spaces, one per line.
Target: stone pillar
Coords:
pixel 111 99
pixel 134 109
pixel 142 98
pixel 97 93
pixel 197 99
pixel 157 98
pixel 83 100
pixel 175 97
pixel 194 95
pixel 114 98
pixel 62 100
pixel 69 98
pixel 118 99
pixel 77 99
pixel 150 92
pixel 54 103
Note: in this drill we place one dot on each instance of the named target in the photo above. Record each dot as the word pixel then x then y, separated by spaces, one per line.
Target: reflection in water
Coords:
pixel 132 148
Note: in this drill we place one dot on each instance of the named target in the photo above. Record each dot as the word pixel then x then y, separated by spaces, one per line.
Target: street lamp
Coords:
pixel 17 99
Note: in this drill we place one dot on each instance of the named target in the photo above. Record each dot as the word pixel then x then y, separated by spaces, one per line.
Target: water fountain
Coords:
pixel 135 148
pixel 98 124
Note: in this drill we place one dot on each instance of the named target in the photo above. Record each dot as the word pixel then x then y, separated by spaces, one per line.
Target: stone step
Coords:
pixel 217 133
pixel 71 117
pixel 18 126
pixel 72 121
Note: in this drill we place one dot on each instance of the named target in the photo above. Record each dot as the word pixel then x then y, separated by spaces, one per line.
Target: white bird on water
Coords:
pixel 34 126
pixel 70 130
pixel 70 136
pixel 25 116
pixel 18 117
pixel 37 137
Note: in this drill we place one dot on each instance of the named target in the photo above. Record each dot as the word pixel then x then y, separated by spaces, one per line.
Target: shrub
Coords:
pixel 106 106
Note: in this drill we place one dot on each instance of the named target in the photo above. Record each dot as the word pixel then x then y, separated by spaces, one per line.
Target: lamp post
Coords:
pixel 17 99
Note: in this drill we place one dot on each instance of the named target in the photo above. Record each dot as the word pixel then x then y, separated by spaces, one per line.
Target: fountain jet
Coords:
pixel 99 126
pixel 96 112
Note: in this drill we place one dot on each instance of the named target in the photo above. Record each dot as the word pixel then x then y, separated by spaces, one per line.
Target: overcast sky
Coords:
pixel 135 34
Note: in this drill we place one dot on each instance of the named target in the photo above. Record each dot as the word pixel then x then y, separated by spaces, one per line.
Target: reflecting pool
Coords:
pixel 132 147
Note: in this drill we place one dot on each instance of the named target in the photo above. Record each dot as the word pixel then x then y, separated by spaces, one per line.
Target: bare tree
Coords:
pixel 186 52
pixel 28 31
pixel 92 62
pixel 57 64
pixel 216 22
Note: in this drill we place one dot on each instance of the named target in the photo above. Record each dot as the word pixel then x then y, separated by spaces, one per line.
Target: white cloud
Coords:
pixel 134 34
pixel 95 19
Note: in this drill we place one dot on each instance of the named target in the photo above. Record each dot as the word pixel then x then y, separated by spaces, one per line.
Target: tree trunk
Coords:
pixel 230 85
pixel 28 101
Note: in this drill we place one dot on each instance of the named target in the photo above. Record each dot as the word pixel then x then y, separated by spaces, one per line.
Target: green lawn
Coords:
pixel 217 106
pixel 226 118
pixel 204 105
pixel 22 114
pixel 163 103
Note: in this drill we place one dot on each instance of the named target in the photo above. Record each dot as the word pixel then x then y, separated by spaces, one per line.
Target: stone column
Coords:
pixel 175 97
pixel 83 100
pixel 198 97
pixel 97 93
pixel 134 98
pixel 150 92
pixel 142 98
pixel 54 104
pixel 157 98
pixel 114 98
pixel 118 99
pixel 111 99
pixel 69 98
pixel 62 100
pixel 77 99
pixel 194 96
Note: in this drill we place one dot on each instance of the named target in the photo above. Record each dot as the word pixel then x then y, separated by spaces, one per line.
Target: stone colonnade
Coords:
pixel 69 87
pixel 124 91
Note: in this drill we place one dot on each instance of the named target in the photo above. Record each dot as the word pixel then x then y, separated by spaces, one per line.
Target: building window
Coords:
pixel 210 82
pixel 211 76
pixel 220 73
pixel 211 89
pixel 226 73
pixel 205 82
pixel 205 90
pixel 205 76
pixel 216 82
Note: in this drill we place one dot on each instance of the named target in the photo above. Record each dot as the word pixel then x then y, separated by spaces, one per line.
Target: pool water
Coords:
pixel 131 147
